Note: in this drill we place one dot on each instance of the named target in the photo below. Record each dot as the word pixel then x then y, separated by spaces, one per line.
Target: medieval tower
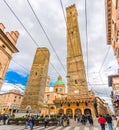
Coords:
pixel 75 65
pixel 34 95
pixel 8 41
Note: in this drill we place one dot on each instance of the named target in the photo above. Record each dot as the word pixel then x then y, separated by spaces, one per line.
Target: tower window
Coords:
pixel 48 97
pixel 77 104
pixel 86 103
pixel 3 46
pixel 68 104
pixel 60 89
pixel 76 82
pixel 56 89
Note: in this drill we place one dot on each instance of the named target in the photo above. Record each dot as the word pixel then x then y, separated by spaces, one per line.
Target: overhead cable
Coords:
pixel 46 35
pixel 26 31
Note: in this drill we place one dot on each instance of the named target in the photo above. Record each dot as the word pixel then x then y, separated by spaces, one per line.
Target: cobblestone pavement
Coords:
pixel 73 126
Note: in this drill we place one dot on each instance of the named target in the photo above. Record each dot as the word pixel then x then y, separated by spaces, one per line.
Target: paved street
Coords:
pixel 73 126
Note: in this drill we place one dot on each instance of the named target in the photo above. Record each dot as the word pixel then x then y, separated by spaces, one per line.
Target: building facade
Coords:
pixel 34 94
pixel 114 83
pixel 59 102
pixel 8 41
pixel 112 25
pixel 10 102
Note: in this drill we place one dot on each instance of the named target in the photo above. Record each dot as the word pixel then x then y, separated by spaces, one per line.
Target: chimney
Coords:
pixel 2 27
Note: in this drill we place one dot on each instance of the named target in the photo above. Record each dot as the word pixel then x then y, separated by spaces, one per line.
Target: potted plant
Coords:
pixel 40 121
pixel 53 121
pixel 20 120
pixel 11 120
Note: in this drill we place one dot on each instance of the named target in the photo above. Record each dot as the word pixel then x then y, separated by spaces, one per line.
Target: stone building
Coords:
pixel 59 90
pixel 10 102
pixel 34 94
pixel 112 24
pixel 59 102
pixel 113 81
pixel 101 107
pixel 8 41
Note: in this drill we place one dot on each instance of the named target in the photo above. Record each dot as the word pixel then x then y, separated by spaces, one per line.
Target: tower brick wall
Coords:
pixel 34 95
pixel 77 83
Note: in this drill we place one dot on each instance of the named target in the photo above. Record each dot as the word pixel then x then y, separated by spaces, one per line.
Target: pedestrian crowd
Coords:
pixel 64 120
pixel 84 119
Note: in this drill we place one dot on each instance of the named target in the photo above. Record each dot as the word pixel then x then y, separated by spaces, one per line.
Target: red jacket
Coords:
pixel 101 120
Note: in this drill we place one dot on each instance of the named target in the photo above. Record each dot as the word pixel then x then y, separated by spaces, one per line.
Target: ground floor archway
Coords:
pixel 87 112
pixel 61 112
pixel 69 113
pixel 78 112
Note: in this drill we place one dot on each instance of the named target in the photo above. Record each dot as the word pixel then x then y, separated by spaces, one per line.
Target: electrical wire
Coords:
pixel 24 68
pixel 103 85
pixel 27 32
pixel 104 59
pixel 86 37
pixel 46 35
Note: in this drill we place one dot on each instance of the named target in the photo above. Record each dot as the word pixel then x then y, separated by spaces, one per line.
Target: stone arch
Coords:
pixel 61 112
pixel 28 108
pixel 69 113
pixel 78 112
pixel 87 111
pixel 52 109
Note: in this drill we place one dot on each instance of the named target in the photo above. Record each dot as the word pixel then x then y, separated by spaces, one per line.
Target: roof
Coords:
pixel 59 81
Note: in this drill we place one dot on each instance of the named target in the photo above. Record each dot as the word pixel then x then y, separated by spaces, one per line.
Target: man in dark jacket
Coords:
pixel 109 121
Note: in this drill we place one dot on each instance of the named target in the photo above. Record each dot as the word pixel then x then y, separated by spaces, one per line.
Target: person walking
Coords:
pixel 4 118
pixel 26 122
pixel 102 121
pixel 117 125
pixel 90 119
pixel 61 120
pixel 46 121
pixel 109 122
pixel 31 122
pixel 64 120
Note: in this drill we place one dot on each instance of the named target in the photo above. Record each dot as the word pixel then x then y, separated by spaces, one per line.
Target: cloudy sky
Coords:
pixel 17 15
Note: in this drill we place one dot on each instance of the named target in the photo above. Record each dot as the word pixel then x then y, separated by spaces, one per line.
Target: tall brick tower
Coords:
pixel 77 83
pixel 34 94
pixel 8 41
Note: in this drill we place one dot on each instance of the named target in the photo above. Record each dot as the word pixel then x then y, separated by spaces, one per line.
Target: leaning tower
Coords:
pixel 34 95
pixel 77 83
